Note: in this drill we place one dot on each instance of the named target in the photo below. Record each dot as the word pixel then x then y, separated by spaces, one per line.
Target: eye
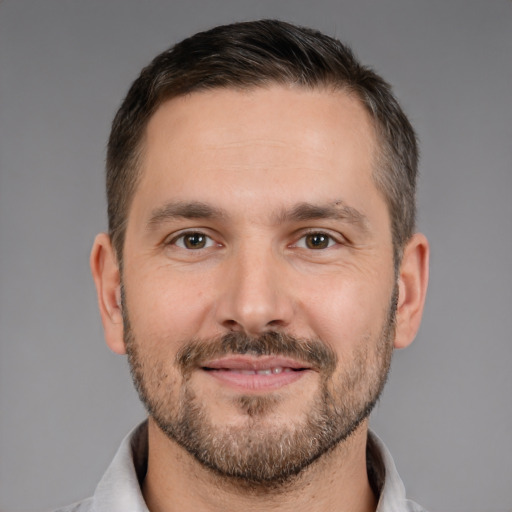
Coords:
pixel 316 241
pixel 193 240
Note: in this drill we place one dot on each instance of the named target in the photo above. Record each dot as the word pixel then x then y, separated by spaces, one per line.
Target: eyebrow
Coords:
pixel 337 210
pixel 184 210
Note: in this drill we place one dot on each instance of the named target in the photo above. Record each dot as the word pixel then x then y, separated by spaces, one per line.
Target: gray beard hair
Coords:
pixel 258 456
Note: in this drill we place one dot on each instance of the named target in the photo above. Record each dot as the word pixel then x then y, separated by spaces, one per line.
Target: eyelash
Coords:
pixel 331 240
pixel 210 242
pixel 182 237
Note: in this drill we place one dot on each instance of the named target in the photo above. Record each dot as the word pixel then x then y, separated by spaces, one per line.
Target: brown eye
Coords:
pixel 317 241
pixel 194 240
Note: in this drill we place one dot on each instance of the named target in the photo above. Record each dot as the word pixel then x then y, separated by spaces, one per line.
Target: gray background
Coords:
pixel 66 401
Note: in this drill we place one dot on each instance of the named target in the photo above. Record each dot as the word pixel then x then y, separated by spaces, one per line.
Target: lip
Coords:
pixel 244 362
pixel 250 373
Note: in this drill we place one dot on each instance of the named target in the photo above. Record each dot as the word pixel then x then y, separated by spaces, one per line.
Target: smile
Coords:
pixel 247 373
pixel 266 371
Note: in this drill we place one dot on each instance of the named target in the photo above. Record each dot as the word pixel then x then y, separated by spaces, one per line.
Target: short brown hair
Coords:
pixel 258 54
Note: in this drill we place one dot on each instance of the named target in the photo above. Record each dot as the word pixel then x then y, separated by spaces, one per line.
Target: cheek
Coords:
pixel 346 312
pixel 164 307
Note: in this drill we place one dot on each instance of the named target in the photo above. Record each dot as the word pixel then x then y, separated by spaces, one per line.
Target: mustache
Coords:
pixel 312 351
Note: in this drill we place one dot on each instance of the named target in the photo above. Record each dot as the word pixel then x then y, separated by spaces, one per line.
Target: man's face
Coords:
pixel 258 283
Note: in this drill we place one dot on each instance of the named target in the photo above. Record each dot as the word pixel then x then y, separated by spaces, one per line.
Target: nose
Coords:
pixel 255 294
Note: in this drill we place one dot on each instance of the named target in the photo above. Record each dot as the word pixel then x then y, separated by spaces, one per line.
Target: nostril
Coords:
pixel 232 325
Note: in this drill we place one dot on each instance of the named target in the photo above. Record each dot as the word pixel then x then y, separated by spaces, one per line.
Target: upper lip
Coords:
pixel 246 362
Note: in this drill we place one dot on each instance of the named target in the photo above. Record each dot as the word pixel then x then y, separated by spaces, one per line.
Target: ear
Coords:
pixel 105 271
pixel 412 289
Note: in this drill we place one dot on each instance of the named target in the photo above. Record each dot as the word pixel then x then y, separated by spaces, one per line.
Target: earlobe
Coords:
pixel 107 278
pixel 412 289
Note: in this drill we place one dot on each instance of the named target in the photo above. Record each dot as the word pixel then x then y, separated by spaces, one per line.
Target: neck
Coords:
pixel 337 481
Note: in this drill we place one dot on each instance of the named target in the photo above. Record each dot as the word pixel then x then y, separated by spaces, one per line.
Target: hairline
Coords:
pixel 382 160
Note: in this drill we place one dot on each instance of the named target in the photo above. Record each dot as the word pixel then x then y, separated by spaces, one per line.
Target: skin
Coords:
pixel 256 155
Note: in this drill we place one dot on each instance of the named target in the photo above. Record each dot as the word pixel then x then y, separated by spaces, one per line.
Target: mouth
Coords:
pixel 247 373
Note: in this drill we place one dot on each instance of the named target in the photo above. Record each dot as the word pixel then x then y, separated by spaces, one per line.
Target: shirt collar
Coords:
pixel 119 490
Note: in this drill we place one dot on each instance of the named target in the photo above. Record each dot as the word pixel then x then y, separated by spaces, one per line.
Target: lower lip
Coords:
pixel 256 382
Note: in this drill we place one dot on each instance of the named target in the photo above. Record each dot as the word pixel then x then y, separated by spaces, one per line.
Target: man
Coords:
pixel 260 267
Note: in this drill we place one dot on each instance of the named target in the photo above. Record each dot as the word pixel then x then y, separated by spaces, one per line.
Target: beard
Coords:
pixel 257 453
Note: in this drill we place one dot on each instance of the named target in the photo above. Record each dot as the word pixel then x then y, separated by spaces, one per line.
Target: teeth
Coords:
pixel 266 371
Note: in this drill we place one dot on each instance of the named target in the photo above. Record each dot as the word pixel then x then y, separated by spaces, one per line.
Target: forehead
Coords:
pixel 271 143
pixel 291 116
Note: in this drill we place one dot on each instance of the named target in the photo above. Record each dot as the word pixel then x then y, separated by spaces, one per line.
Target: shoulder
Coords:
pixel 81 506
